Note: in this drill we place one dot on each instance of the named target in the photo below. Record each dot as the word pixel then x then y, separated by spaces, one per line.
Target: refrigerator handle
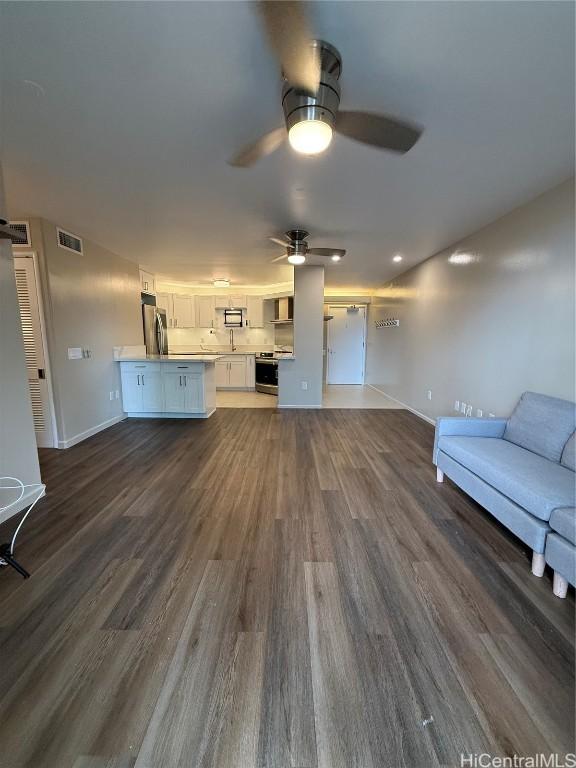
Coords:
pixel 160 334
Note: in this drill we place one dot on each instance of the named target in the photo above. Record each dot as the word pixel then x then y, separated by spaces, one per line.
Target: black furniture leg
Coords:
pixel 7 557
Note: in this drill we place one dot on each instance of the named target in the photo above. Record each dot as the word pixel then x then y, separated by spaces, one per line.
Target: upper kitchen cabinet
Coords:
pixel 254 312
pixel 147 282
pixel 231 302
pixel 205 312
pixel 180 309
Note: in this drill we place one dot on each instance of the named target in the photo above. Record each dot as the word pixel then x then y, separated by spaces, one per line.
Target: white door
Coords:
pixel 237 373
pixel 184 315
pixel 28 300
pixel 193 392
pixel 174 392
pixel 152 392
pixel 221 370
pixel 346 352
pixel 131 392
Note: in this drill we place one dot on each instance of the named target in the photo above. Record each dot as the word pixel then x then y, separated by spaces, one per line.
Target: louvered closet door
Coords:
pixel 34 349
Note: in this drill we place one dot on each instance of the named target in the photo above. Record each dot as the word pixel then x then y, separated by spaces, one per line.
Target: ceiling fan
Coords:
pixel 311 94
pixel 297 248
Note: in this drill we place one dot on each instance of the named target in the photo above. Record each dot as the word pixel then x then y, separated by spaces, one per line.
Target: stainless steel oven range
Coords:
pixel 266 373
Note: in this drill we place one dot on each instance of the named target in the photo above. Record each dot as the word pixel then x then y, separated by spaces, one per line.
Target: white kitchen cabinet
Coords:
pixel 205 312
pixel 237 301
pixel 183 392
pixel 237 373
pixel 180 309
pixel 184 315
pixel 221 370
pixel 147 282
pixel 254 312
pixel 142 388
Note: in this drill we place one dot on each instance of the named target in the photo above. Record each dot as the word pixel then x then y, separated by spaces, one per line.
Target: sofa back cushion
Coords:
pixel 568 458
pixel 541 424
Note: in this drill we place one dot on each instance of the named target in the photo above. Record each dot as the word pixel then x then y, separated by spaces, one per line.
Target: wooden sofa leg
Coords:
pixel 560 585
pixel 439 475
pixel 538 564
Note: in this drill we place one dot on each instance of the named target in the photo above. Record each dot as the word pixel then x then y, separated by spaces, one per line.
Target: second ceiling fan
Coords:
pixel 311 94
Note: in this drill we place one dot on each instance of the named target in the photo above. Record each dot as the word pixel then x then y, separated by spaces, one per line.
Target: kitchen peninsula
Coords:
pixel 168 386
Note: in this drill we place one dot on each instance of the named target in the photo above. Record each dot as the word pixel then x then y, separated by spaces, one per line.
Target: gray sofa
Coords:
pixel 522 470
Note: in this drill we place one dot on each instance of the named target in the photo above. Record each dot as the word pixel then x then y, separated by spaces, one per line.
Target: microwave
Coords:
pixel 233 318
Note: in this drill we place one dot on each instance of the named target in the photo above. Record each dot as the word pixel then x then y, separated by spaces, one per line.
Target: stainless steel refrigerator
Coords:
pixel 154 324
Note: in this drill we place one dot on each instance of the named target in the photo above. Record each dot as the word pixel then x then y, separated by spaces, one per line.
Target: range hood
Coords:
pixel 283 310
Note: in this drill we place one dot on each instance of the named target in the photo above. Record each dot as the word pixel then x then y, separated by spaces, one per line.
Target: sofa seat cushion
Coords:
pixel 541 424
pixel 563 521
pixel 531 481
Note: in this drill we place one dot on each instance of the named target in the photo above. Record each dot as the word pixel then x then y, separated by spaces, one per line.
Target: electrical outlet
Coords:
pixel 469 410
pixel 479 412
pixel 456 405
pixel 111 395
pixel 117 394
pixel 429 394
pixel 304 384
pixel 463 407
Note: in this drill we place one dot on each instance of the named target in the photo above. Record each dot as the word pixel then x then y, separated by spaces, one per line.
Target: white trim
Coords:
pixel 89 432
pixel 24 502
pixel 65 247
pixel 47 368
pixel 404 405
pixel 300 406
pixel 167 415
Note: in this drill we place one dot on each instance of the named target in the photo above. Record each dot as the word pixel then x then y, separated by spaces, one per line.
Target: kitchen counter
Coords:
pixel 194 358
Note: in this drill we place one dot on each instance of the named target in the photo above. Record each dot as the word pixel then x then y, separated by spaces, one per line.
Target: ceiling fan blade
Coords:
pixel 290 38
pixel 326 251
pixel 265 145
pixel 279 258
pixel 283 243
pixel 378 130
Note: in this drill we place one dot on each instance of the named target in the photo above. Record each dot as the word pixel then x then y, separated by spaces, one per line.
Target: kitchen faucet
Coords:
pixel 232 347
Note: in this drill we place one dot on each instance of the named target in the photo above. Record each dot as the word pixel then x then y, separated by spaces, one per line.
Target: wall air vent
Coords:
pixel 69 241
pixel 22 231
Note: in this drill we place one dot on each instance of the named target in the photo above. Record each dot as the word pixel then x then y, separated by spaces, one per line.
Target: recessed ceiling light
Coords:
pixel 398 257
pixel 335 257
pixel 462 258
pixel 221 282
pixel 296 258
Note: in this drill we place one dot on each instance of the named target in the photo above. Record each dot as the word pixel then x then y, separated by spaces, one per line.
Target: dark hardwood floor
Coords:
pixel 273 590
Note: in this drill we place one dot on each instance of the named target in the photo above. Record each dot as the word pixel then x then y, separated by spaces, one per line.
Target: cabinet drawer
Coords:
pixel 184 367
pixel 137 366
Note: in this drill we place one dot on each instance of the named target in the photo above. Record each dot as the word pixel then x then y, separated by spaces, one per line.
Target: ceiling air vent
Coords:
pixel 69 241
pixel 22 231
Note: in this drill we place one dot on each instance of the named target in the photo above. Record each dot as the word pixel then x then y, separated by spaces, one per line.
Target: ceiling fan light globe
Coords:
pixel 296 258
pixel 310 137
pixel 335 257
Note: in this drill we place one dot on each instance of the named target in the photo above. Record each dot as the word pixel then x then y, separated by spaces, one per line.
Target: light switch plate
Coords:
pixel 75 353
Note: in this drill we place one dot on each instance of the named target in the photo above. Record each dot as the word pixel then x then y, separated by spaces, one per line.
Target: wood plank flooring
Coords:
pixel 273 589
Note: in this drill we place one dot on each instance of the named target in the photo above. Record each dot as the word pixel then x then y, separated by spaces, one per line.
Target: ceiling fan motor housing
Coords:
pixel 323 106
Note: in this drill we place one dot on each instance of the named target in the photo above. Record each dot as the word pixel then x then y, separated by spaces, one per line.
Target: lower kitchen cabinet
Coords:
pixel 141 387
pixel 183 393
pixel 167 388
pixel 235 372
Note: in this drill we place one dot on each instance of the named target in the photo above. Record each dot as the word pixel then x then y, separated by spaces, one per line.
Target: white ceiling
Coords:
pixel 118 119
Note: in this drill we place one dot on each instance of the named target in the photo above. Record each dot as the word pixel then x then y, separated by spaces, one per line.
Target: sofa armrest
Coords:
pixel 455 426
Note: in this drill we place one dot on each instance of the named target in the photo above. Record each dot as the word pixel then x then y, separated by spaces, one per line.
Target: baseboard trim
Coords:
pixel 29 496
pixel 404 405
pixel 89 432
pixel 317 407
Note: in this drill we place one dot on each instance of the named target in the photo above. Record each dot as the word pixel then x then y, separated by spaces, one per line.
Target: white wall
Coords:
pixel 308 335
pixel 91 301
pixel 18 453
pixel 486 330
